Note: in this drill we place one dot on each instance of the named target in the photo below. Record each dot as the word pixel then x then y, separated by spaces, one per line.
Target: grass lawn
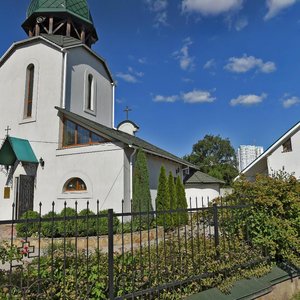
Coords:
pixel 296 297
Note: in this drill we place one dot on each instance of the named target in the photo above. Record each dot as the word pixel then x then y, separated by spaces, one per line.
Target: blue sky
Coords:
pixel 188 68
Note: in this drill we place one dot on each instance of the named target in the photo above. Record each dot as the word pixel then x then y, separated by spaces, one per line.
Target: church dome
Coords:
pixel 78 8
pixel 61 17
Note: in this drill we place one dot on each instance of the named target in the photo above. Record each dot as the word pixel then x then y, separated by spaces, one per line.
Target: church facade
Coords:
pixel 57 103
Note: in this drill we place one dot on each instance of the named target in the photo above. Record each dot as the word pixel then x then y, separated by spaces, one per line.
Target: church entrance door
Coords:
pixel 25 192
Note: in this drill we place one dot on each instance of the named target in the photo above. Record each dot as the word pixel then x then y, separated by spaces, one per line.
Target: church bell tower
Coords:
pixel 69 18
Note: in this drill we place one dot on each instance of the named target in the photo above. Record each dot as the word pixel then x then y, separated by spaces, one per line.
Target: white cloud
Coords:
pixel 241 23
pixel 135 73
pixel 159 7
pixel 186 61
pixel 198 96
pixel 169 99
pixel 142 60
pixel 287 103
pixel 131 76
pixel 275 6
pixel 210 7
pixel 248 100
pixel 192 97
pixel 127 77
pixel 210 64
pixel 246 63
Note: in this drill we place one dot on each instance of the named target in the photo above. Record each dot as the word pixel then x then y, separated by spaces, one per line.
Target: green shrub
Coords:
pixel 50 229
pixel 67 227
pixel 87 226
pixel 272 221
pixel 28 229
pixel 101 224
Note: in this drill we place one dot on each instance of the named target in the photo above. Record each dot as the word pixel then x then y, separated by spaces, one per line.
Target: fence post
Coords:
pixel 216 228
pixel 111 254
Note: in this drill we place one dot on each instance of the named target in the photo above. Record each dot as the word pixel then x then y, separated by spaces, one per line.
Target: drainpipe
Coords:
pixel 63 104
pixel 131 173
pixel 113 105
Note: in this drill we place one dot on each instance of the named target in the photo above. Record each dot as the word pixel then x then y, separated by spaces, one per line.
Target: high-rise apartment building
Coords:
pixel 246 154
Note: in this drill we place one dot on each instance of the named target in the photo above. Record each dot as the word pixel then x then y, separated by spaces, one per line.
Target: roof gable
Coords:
pixel 200 177
pixel 60 42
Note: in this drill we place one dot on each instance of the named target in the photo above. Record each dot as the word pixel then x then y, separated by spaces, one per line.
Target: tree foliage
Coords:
pixel 181 203
pixel 216 157
pixel 173 197
pixel 163 199
pixel 141 200
pixel 273 221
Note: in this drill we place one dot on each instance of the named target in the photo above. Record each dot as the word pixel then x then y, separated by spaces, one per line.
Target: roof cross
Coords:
pixel 127 110
pixel 7 130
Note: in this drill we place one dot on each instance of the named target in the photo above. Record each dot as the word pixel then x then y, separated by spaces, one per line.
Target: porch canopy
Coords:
pixel 16 149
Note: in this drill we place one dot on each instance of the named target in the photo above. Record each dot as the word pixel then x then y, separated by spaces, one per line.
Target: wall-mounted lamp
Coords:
pixel 42 162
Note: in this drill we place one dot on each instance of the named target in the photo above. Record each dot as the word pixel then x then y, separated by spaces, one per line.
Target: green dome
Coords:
pixel 78 8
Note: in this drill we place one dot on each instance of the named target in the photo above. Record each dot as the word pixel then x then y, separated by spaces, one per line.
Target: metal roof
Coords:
pixel 199 177
pixel 78 8
pixel 62 41
pixel 16 149
pixel 114 134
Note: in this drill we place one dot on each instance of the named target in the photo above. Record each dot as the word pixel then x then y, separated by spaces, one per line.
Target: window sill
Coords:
pixel 74 195
pixel 27 120
pixel 90 112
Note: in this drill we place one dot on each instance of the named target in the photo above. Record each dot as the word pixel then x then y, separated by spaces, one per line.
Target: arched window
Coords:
pixel 90 92
pixel 75 185
pixel 29 91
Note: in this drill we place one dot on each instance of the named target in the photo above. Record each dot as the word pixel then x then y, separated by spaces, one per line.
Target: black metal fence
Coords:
pixel 107 255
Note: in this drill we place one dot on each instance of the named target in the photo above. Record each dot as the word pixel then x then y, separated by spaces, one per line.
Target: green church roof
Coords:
pixel 78 8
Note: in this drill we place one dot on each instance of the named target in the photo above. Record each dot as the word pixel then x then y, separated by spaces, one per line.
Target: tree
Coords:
pixel 181 203
pixel 173 197
pixel 163 199
pixel 216 157
pixel 141 198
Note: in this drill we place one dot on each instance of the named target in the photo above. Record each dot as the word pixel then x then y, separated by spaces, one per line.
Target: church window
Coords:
pixel 75 185
pixel 287 146
pixel 90 93
pixel 29 91
pixel 76 135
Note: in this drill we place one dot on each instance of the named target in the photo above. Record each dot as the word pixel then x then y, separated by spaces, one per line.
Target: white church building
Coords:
pixel 57 106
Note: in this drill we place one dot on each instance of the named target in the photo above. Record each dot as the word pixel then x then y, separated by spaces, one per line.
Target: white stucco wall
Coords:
pixel 81 63
pixel 199 195
pixel 42 128
pixel 286 161
pixel 154 165
pixel 100 166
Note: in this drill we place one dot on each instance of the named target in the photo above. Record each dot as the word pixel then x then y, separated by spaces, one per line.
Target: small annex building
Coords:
pixel 201 188
pixel 57 105
pixel 282 155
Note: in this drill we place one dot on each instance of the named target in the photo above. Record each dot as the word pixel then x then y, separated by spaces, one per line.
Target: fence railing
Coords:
pixel 128 255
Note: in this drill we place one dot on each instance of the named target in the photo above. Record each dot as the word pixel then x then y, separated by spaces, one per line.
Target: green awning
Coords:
pixel 16 149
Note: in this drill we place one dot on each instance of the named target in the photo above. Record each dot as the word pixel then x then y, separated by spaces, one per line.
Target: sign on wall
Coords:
pixel 6 192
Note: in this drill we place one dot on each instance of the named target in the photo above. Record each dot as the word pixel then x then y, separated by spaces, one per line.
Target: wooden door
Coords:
pixel 25 195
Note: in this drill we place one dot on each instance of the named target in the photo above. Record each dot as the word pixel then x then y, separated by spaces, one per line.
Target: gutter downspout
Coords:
pixel 113 105
pixel 131 173
pixel 63 104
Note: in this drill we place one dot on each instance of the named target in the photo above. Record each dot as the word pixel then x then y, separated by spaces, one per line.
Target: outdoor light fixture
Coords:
pixel 42 162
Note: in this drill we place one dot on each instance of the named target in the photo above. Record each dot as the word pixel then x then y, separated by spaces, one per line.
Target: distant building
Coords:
pixel 282 155
pixel 246 154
